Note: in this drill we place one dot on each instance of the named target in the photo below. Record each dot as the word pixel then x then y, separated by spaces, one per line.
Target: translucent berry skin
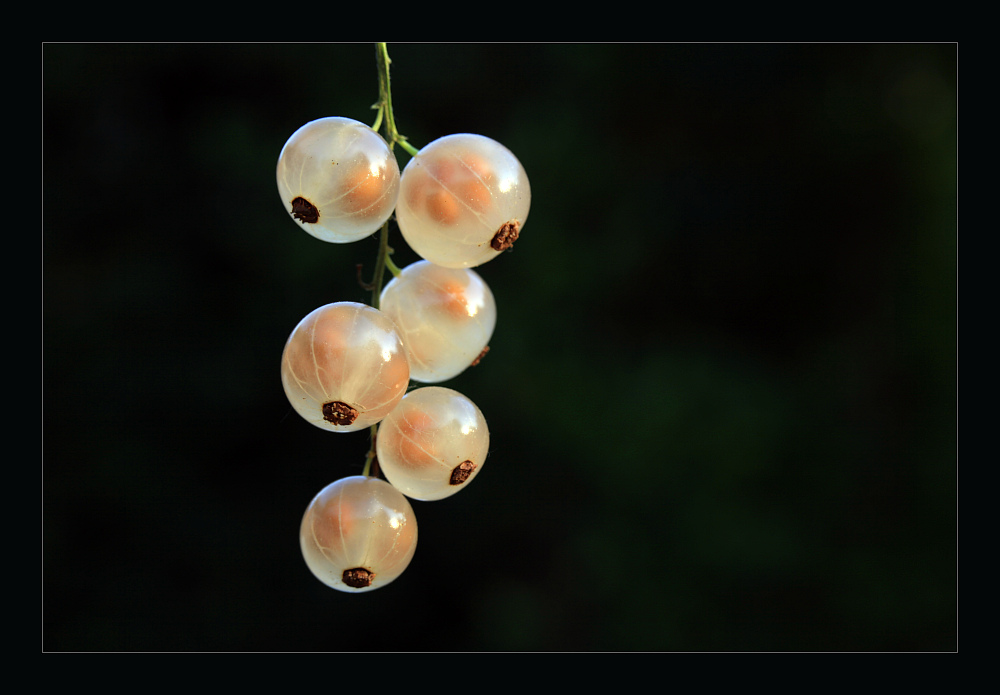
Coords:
pixel 358 534
pixel 462 200
pixel 445 317
pixel 338 179
pixel 433 444
pixel 344 367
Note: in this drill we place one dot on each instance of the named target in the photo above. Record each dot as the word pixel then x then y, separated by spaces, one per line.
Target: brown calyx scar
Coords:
pixel 480 356
pixel 303 210
pixel 339 413
pixel 358 578
pixel 506 236
pixel 462 472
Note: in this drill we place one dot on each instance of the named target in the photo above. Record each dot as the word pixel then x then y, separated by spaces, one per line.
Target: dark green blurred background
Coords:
pixel 721 391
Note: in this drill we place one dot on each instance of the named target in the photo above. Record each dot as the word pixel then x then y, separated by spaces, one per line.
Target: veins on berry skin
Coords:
pixel 462 472
pixel 303 210
pixel 339 413
pixel 506 236
pixel 358 578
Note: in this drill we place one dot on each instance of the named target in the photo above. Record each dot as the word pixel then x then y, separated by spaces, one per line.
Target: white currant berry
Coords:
pixel 358 534
pixel 344 367
pixel 433 444
pixel 338 179
pixel 445 317
pixel 463 199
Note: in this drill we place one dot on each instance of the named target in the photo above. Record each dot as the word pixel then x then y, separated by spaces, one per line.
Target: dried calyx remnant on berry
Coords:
pixel 304 211
pixel 462 472
pixel 505 236
pixel 358 578
pixel 339 413
pixel 480 356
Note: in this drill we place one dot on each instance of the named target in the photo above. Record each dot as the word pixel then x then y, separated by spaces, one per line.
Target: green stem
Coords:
pixel 393 268
pixel 370 458
pixel 384 106
pixel 386 120
pixel 380 264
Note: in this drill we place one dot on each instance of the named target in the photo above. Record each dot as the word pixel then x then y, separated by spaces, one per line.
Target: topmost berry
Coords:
pixel 338 179
pixel 463 199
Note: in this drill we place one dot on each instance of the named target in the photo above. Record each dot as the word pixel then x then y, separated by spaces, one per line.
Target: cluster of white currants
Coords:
pixel 461 201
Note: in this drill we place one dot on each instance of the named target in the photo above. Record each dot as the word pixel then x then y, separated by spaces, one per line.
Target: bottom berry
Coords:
pixel 358 534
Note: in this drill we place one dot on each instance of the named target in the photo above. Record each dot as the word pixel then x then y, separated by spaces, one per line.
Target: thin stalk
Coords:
pixel 384 105
pixel 386 120
pixel 371 463
pixel 380 263
pixel 393 268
